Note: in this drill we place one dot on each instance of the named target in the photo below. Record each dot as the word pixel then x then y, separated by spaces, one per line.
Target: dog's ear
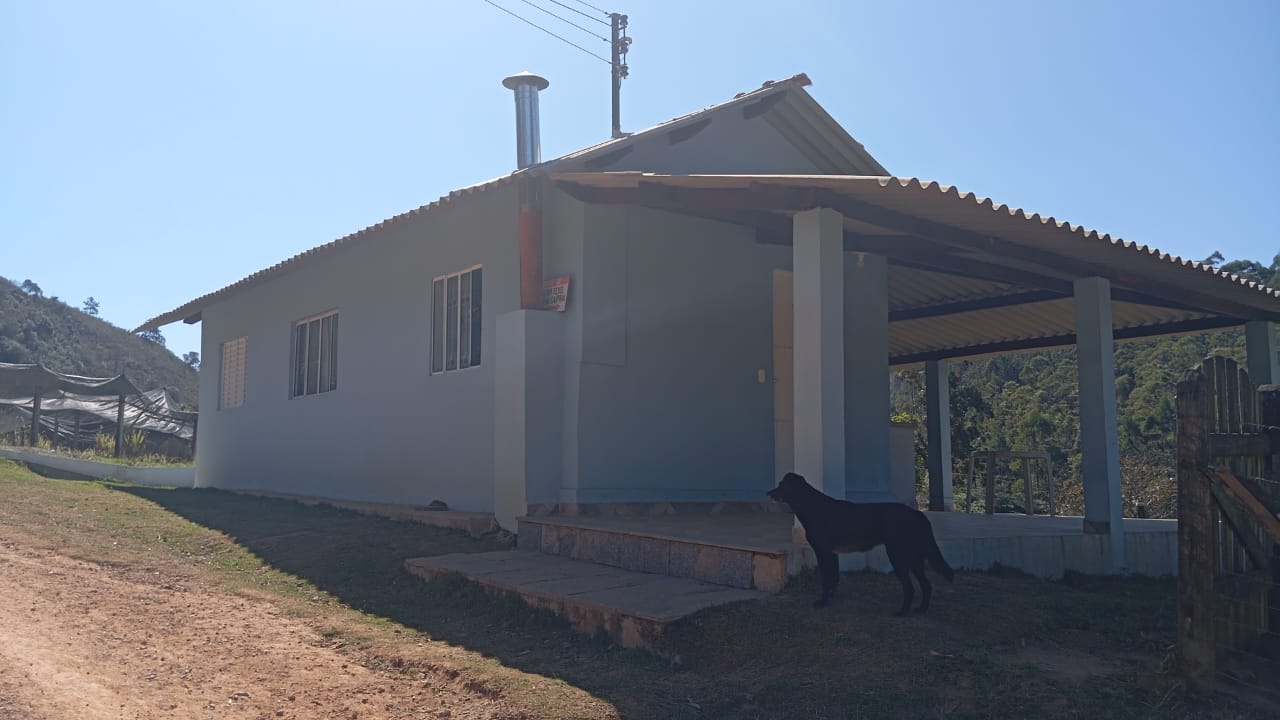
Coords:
pixel 791 477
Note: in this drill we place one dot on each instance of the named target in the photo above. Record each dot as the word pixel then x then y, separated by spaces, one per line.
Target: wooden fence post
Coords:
pixel 1195 537
pixel 1269 417
pixel 991 484
pixel 1026 486
pixel 120 427
pixel 35 419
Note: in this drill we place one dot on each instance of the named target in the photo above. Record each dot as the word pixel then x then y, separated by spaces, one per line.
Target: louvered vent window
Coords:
pixel 234 356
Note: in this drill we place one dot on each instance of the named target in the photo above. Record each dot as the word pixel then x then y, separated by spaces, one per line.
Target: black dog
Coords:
pixel 834 526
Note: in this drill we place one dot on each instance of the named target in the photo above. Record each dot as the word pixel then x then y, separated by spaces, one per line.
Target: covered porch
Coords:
pixel 892 273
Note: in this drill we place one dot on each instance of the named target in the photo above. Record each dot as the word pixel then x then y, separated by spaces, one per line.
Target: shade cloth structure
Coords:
pixel 26 380
pixel 12 419
pixel 40 395
pixel 154 411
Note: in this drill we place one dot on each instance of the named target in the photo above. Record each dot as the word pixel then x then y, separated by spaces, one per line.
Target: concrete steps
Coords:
pixel 639 544
pixel 633 608
pixel 633 574
pixel 630 576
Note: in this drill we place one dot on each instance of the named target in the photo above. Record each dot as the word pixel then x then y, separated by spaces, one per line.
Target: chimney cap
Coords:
pixel 525 78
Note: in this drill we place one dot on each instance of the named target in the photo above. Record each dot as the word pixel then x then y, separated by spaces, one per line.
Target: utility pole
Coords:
pixel 618 24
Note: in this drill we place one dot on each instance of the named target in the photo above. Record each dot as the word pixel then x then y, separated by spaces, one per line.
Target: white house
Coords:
pixel 741 281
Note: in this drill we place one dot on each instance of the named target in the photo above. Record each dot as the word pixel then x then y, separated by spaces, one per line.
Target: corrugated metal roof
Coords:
pixel 798 107
pixel 910 288
pixel 795 114
pixel 952 334
pixel 960 311
pixel 948 207
pixel 947 204
pixel 192 309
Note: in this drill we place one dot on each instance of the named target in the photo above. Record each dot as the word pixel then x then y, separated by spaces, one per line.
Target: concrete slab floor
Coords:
pixel 655 598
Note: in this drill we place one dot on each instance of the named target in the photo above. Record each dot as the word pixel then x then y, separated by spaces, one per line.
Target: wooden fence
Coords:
pixel 1228 531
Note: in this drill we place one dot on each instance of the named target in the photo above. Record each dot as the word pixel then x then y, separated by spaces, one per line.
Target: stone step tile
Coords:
pixel 731 567
pixel 634 608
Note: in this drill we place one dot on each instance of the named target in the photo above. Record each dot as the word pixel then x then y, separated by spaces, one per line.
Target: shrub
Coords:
pixel 133 442
pixel 104 444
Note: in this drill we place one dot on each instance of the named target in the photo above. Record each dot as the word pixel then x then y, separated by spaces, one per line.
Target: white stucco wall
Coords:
pixel 667 326
pixel 669 323
pixel 672 407
pixel 391 432
pixel 182 476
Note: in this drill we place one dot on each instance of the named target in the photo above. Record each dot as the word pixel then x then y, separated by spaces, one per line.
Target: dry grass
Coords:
pixel 995 645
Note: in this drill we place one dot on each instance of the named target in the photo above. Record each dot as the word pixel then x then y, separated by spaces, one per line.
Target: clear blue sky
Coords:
pixel 151 152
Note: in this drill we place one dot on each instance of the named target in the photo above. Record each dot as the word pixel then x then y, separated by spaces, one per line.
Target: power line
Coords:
pixel 561 39
pixel 589 16
pixel 593 7
pixel 565 20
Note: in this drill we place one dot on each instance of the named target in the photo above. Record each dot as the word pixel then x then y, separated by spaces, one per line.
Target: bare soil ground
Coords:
pixel 83 639
pixel 127 602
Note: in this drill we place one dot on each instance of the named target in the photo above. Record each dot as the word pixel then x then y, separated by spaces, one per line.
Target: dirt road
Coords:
pixel 83 641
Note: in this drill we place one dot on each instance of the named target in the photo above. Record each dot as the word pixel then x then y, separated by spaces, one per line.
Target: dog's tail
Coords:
pixel 936 561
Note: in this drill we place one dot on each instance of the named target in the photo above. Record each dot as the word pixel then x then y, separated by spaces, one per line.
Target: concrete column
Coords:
pixel 1260 347
pixel 528 419
pixel 1100 450
pixel 937 398
pixel 866 379
pixel 819 349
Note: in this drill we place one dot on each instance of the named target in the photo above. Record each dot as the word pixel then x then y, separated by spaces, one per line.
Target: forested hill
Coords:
pixel 1030 401
pixel 73 340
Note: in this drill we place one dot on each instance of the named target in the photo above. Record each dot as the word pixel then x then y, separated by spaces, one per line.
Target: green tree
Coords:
pixel 153 335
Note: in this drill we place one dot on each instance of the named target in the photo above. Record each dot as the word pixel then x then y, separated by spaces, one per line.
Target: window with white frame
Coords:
pixel 231 388
pixel 315 355
pixel 455 320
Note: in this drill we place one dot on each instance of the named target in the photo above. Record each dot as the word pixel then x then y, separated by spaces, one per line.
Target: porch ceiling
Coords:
pixel 967 277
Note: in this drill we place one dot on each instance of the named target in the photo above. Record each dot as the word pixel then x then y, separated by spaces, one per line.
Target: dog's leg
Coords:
pixel 829 572
pixel 926 587
pixel 902 568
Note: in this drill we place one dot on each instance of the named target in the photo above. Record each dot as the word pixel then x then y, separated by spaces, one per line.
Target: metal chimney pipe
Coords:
pixel 526 86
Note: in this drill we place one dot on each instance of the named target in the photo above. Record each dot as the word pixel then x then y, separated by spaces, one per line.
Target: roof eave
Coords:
pixel 833 139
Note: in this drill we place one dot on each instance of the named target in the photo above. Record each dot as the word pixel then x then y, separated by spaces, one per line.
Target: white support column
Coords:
pixel 528 408
pixel 1260 348
pixel 1100 450
pixel 866 379
pixel 818 279
pixel 937 397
